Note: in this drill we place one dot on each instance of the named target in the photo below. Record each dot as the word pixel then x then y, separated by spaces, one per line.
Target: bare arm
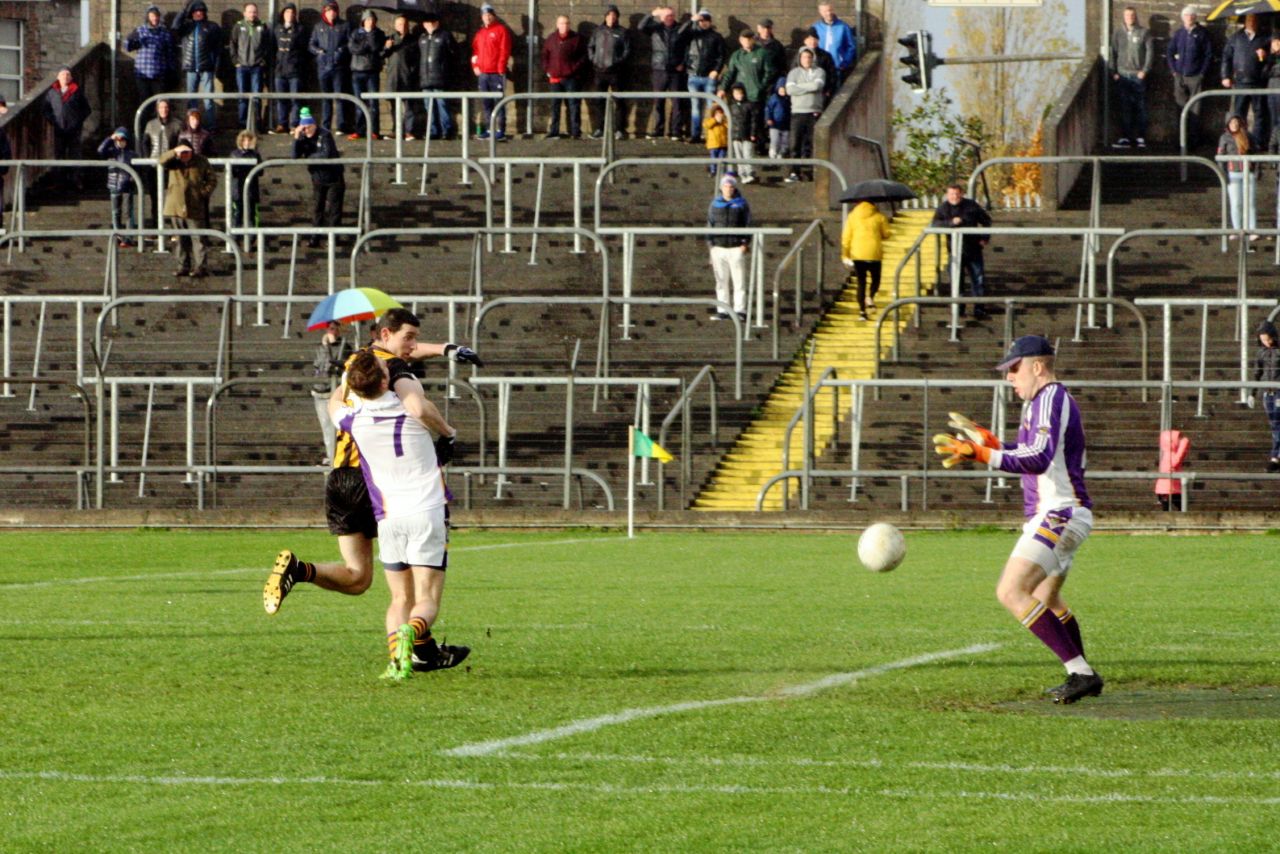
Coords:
pixel 416 404
pixel 336 397
pixel 425 350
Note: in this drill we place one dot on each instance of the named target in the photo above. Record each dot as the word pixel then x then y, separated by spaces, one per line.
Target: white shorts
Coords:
pixel 418 540
pixel 1050 538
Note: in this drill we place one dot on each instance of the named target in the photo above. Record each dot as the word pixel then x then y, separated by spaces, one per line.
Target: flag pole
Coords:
pixel 631 483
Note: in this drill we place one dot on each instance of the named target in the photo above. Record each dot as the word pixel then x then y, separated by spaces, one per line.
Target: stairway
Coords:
pixel 841 341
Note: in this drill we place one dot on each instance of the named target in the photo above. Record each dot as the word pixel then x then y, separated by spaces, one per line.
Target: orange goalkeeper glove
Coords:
pixel 977 434
pixel 958 450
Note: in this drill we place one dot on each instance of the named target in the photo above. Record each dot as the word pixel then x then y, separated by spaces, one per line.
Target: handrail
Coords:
pixel 797 245
pixel 1200 96
pixel 19 204
pixel 253 96
pixel 81 392
pixel 805 412
pixel 686 445
pixel 704 162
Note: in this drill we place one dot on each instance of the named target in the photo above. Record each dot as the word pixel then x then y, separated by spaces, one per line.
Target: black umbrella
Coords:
pixel 414 9
pixel 877 190
pixel 1243 7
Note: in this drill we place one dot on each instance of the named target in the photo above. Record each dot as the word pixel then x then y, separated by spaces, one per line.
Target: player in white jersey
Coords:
pixel 1050 455
pixel 398 460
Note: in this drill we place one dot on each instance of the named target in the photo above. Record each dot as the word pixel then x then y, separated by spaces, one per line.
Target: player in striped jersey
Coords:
pixel 1050 456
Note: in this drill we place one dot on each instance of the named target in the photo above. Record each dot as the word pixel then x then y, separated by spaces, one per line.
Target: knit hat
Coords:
pixel 730 180
pixel 614 9
pixel 488 8
pixel 152 8
pixel 304 120
pixel 369 14
pixel 812 31
pixel 123 133
pixel 704 14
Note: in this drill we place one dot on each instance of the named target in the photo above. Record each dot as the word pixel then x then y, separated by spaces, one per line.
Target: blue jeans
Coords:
pixel 202 81
pixel 975 269
pixel 248 79
pixel 493 83
pixel 699 84
pixel 1133 107
pixel 1271 402
pixel 333 80
pixel 361 82
pixel 440 123
pixel 574 106
pixel 286 108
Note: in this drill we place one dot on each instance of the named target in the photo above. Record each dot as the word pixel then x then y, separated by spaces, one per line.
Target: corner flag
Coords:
pixel 643 446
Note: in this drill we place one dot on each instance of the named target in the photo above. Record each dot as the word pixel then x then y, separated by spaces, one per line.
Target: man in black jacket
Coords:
pixel 958 212
pixel 328 186
pixel 366 46
pixel 401 53
pixel 199 50
pixel 608 50
pixel 291 49
pixel 251 53
pixel 704 54
pixel 437 53
pixel 667 70
pixel 1243 59
pixel 333 63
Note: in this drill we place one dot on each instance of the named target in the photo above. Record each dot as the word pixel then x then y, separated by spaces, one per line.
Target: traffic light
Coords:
pixel 919 59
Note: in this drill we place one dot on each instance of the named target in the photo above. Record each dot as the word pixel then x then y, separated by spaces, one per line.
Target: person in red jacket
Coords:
pixel 564 56
pixel 490 61
pixel 1173 453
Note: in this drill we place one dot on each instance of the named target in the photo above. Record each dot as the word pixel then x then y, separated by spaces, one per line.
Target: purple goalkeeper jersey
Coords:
pixel 1049 453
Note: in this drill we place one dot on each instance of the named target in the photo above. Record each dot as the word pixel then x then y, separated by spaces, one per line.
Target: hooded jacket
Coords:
pixel 328 44
pixel 66 109
pixel 664 54
pixel 491 48
pixel 290 45
pixel 436 56
pixel 777 110
pixel 199 42
pixel 1173 453
pixel 805 86
pixel 155 47
pixel 251 44
pixel 703 50
pixel 366 49
pixel 118 180
pixel 609 48
pixel 864 233
pixel 716 132
pixel 733 213
pixel 742 115
pixel 1266 361
pixel 823 60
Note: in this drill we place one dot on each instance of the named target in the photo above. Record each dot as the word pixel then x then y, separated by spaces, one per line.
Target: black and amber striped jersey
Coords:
pixel 345 453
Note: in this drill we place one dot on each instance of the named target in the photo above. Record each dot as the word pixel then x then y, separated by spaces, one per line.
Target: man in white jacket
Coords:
pixel 805 83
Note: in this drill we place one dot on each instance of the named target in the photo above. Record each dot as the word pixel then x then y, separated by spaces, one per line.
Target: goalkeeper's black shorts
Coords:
pixel 347 505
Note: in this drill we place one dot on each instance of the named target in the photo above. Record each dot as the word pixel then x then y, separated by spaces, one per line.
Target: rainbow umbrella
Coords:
pixel 351 305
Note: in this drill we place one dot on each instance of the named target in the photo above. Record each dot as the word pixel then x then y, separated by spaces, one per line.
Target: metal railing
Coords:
pixel 796 254
pixel 17 173
pixel 432 97
pixel 1195 99
pixel 682 409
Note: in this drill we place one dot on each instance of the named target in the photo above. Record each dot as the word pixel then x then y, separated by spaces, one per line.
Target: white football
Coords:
pixel 881 547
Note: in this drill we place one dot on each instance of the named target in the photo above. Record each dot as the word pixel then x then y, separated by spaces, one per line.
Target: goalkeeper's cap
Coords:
pixel 1024 347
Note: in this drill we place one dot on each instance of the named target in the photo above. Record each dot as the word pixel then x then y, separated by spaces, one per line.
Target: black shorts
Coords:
pixel 347 505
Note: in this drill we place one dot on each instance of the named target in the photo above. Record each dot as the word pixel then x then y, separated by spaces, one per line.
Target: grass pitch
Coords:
pixel 678 692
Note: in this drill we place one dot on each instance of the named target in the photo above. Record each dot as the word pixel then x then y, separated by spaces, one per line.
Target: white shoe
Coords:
pixel 1142 143
pixel 750 179
pixel 1122 142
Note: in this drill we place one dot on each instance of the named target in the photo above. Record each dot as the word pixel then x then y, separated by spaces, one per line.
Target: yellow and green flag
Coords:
pixel 643 446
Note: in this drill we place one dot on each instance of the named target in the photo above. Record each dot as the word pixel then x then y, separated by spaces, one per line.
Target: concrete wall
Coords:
pixel 860 108
pixel 1073 127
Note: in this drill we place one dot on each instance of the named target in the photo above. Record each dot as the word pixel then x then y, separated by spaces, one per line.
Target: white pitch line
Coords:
pixel 611 789
pixel 484 748
pixel 100 579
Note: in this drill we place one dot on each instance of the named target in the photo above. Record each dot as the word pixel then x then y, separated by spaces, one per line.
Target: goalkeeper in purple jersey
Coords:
pixel 1050 456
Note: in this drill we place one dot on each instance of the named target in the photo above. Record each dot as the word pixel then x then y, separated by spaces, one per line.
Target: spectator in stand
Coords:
pixel 329 45
pixel 401 53
pixel 1190 56
pixel 366 46
pixel 199 49
pixel 186 204
pixel 704 54
pixel 862 248
pixel 1129 65
pixel 6 149
pixel 804 84
pixel 160 135
pixel 67 109
pixel 743 141
pixel 564 58
pixel 775 50
pixel 777 119
pixel 1240 178
pixel 196 135
pixel 120 186
pixel 156 63
pixel 608 50
pixel 823 60
pixel 1273 82
pixel 1244 60
pixel 290 41
pixel 330 358
pixel 838 39
pixel 491 59
pixel 1266 369
pixel 729 210
pixel 958 212
pixel 1174 447
pixel 715 128
pixel 752 66
pixel 328 184
pixel 246 149
pixel 436 56
pixel 666 70
pixel 251 52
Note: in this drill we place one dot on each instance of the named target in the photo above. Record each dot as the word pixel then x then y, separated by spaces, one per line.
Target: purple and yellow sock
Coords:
pixel 1072 625
pixel 1050 631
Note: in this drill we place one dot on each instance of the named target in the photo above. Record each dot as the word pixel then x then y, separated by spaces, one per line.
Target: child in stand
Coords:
pixel 121 186
pixel 715 128
pixel 246 149
pixel 744 141
pixel 777 118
